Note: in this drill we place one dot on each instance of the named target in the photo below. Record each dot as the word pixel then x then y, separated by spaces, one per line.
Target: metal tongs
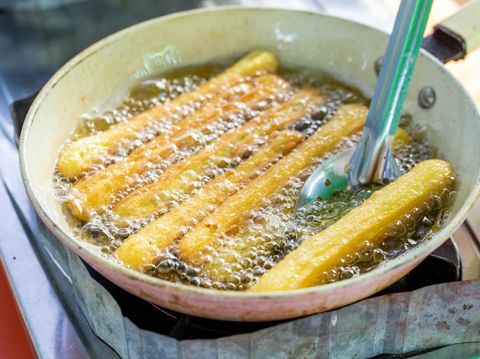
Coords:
pixel 371 160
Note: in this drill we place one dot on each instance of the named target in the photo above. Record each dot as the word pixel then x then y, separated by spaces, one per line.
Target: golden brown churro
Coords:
pixel 369 222
pixel 81 155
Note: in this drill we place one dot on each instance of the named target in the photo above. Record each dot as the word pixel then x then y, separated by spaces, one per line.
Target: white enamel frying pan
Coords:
pixel 300 39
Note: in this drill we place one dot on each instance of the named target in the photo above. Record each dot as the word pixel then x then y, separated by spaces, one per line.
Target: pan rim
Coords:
pixel 422 249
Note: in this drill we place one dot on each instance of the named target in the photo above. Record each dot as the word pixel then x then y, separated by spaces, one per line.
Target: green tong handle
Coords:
pixel 372 160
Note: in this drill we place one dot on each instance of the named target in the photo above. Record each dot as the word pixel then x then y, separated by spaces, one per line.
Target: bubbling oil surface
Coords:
pixel 238 259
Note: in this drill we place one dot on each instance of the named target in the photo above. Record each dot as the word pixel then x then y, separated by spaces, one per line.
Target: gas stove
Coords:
pixel 54 320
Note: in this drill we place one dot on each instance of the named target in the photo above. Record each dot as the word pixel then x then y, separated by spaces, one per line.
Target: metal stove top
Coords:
pixel 36 44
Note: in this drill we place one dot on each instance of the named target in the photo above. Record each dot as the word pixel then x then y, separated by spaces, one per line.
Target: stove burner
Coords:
pixel 441 266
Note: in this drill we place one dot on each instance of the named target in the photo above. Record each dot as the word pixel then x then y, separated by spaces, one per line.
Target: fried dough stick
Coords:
pixel 95 192
pixel 371 221
pixel 183 177
pixel 82 154
pixel 142 247
pixel 348 120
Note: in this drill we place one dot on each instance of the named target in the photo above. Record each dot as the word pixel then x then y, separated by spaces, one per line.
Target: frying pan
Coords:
pixel 344 49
